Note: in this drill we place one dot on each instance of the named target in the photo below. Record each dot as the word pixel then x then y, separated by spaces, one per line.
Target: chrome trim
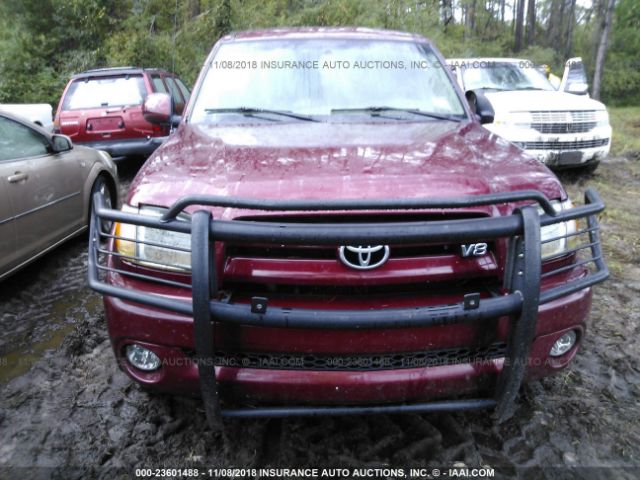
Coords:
pixel 41 207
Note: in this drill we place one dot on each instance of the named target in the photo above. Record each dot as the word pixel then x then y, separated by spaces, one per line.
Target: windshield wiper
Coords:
pixel 379 109
pixel 500 89
pixel 253 111
pixel 530 88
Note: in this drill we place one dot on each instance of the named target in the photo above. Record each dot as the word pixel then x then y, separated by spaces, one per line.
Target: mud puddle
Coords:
pixel 40 305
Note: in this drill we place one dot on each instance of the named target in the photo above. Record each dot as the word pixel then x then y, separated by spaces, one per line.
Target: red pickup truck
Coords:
pixel 331 230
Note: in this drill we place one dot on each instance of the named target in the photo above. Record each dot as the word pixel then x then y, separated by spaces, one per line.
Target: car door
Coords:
pixel 44 189
pixel 7 227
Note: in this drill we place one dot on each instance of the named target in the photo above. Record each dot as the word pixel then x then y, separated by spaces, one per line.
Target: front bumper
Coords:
pixel 562 159
pixel 129 323
pixel 568 150
pixel 525 315
pixel 119 149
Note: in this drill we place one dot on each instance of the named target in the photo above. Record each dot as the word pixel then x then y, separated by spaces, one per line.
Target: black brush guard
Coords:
pixel 521 279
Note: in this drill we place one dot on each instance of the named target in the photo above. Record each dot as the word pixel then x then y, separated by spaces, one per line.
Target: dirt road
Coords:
pixel 67 410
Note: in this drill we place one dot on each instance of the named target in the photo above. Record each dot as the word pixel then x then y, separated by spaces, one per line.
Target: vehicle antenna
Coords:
pixel 175 29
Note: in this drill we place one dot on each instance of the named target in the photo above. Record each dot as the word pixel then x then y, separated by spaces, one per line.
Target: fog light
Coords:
pixel 564 344
pixel 142 358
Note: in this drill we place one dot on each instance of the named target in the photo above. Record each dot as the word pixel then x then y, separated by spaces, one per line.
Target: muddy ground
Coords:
pixel 66 411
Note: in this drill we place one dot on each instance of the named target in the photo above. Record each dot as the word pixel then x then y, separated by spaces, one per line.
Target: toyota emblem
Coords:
pixel 364 257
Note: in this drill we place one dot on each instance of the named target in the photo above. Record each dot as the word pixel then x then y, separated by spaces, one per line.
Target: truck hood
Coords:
pixel 337 161
pixel 535 100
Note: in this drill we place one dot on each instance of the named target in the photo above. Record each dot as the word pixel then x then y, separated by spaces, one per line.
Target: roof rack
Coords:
pixel 108 70
pixel 95 70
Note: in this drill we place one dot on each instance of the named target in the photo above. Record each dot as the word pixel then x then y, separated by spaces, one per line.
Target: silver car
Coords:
pixel 46 185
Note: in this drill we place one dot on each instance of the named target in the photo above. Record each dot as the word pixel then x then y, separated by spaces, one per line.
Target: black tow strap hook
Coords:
pixel 259 304
pixel 471 301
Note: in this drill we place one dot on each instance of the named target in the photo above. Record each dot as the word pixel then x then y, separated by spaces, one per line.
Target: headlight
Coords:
pixel 517 119
pixel 602 118
pixel 145 250
pixel 556 230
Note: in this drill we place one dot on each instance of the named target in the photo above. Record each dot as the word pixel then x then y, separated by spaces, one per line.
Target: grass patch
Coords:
pixel 625 122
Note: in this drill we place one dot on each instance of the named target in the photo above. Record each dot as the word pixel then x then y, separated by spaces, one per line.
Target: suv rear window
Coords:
pixel 105 92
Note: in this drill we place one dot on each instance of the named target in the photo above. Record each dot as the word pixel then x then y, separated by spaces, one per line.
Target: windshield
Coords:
pixel 323 77
pixel 503 76
pixel 105 92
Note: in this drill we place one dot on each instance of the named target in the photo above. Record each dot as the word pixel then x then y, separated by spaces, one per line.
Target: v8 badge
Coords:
pixel 473 249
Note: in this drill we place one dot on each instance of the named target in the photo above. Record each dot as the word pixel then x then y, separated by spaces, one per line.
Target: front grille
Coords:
pixel 564 146
pixel 563 116
pixel 239 292
pixel 564 127
pixel 361 362
pixel 356 218
pixel 317 252
pixel 564 121
pixel 331 253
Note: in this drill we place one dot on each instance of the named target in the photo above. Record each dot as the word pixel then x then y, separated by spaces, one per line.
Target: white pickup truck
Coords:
pixel 563 127
pixel 39 113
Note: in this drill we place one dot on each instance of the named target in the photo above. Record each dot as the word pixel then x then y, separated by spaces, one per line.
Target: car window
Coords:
pixel 158 84
pixel 175 91
pixel 105 92
pixel 19 141
pixel 183 89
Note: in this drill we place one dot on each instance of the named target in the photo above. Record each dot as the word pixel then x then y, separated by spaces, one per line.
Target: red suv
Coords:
pixel 103 109
pixel 331 229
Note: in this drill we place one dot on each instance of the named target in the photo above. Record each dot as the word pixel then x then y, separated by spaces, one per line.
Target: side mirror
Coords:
pixel 481 106
pixel 157 108
pixel 60 143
